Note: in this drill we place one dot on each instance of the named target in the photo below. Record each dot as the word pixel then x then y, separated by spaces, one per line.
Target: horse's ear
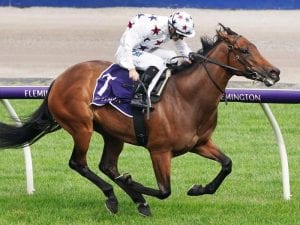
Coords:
pixel 227 29
pixel 223 35
pixel 222 27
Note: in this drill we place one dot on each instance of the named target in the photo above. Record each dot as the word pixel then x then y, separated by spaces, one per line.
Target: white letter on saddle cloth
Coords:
pixel 104 87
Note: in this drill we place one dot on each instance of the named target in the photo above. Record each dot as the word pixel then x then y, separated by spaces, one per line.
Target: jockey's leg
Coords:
pixel 146 79
pixel 165 55
pixel 154 64
pixel 139 99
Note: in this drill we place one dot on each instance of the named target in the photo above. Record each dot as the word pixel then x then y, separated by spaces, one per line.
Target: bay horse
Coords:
pixel 182 121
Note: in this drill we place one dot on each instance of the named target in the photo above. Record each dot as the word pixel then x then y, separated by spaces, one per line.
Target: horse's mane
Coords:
pixel 208 43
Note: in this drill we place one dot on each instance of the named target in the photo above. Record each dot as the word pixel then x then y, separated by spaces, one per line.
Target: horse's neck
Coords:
pixel 206 84
pixel 215 74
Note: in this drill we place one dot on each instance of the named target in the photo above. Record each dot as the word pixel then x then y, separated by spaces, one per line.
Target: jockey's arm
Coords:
pixel 124 52
pixel 182 48
pixel 130 38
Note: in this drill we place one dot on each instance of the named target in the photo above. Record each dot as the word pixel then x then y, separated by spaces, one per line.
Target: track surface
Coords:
pixel 43 42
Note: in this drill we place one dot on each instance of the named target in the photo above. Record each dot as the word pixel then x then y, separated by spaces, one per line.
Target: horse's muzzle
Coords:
pixel 272 77
pixel 268 77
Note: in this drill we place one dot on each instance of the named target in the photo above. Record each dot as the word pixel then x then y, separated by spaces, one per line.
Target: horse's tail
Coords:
pixel 36 126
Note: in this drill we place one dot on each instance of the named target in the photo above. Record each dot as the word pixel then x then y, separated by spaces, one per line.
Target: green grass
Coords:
pixel 252 194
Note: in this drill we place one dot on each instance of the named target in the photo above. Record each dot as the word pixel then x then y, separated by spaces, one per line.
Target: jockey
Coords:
pixel 140 47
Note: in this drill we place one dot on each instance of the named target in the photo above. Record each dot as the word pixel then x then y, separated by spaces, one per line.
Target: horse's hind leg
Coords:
pixel 212 152
pixel 78 162
pixel 109 166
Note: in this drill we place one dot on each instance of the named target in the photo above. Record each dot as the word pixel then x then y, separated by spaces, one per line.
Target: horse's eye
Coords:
pixel 244 51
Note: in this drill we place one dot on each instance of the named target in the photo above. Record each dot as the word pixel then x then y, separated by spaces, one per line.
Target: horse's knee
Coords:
pixel 107 170
pixel 81 169
pixel 73 165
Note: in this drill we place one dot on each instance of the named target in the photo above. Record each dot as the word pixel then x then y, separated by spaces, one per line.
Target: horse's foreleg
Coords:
pixel 162 165
pixel 78 163
pixel 109 166
pixel 212 152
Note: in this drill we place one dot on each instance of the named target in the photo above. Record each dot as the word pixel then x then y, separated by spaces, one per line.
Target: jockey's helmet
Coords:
pixel 183 24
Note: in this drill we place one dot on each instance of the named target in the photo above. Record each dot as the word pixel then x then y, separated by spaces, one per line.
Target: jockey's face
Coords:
pixel 174 36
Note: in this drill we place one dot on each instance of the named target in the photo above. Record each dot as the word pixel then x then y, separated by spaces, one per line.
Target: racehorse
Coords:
pixel 182 121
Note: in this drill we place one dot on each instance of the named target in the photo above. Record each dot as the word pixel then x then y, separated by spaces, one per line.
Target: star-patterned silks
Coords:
pixel 152 17
pixel 158 42
pixel 140 15
pixel 156 34
pixel 148 32
pixel 156 30
pixel 143 48
pixel 130 24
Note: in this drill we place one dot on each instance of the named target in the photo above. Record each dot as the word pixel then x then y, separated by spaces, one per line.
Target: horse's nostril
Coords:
pixel 274 73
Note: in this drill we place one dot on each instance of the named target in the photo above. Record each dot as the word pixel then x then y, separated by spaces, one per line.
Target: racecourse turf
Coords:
pixel 251 195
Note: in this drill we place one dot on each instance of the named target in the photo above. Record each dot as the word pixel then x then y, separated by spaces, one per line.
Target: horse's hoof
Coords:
pixel 196 190
pixel 111 205
pixel 144 209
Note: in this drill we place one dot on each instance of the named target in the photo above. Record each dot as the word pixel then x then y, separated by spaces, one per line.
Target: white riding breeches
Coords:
pixel 157 57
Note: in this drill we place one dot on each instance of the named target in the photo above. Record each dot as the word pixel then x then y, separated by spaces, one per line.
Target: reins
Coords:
pixel 231 70
pixel 205 59
pixel 212 80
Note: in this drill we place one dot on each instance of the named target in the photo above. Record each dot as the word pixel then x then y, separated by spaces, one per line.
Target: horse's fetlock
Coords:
pixel 210 189
pixel 164 194
pixel 128 179
pixel 73 165
pixel 227 168
pixel 109 192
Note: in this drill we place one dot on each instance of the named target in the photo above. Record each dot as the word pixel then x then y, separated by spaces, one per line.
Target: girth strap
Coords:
pixel 139 126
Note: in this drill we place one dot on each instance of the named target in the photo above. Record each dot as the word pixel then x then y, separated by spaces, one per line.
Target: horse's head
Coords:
pixel 245 57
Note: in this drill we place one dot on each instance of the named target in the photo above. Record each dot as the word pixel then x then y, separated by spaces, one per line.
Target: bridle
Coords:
pixel 248 72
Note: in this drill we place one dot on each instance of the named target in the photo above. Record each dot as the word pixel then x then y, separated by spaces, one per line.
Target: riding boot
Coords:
pixel 140 97
pixel 139 100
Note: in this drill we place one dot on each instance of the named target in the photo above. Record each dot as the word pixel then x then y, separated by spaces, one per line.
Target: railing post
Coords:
pixel 282 151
